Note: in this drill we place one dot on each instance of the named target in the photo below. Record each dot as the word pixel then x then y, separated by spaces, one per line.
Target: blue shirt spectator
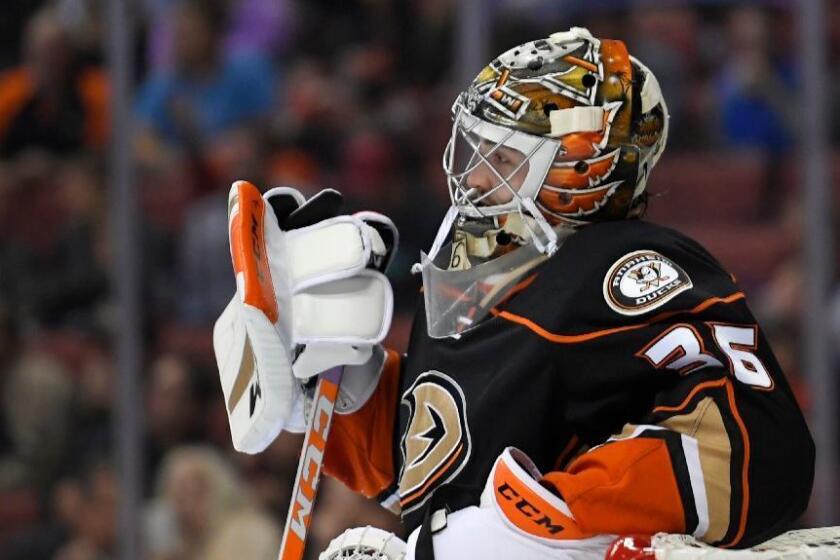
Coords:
pixel 174 105
pixel 755 93
pixel 205 92
pixel 749 118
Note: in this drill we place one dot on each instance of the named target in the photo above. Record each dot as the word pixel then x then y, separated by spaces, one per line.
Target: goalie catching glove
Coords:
pixel 310 295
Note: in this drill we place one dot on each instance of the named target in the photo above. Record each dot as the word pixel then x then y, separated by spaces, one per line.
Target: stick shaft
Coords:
pixel 309 465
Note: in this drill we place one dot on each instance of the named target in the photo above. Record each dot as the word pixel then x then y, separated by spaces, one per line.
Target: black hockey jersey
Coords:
pixel 630 370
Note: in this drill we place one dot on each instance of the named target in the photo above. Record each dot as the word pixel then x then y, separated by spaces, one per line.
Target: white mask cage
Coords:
pixel 475 143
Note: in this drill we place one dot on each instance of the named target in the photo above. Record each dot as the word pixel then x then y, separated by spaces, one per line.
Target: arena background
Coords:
pixel 122 125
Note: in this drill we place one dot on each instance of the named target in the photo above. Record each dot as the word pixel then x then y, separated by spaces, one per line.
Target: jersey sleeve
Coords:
pixel 360 449
pixel 695 466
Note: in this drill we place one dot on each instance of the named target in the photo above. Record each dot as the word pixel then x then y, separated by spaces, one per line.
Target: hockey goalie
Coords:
pixel 574 372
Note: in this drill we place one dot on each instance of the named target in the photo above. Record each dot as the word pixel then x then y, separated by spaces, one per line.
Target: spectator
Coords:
pixel 311 120
pixel 755 95
pixel 49 102
pixel 292 166
pixel 202 512
pixel 166 184
pixel 37 400
pixel 95 381
pixel 204 268
pixel 82 521
pixel 205 92
pixel 89 508
pixel 253 26
pixel 57 274
pixel 258 26
pixel 173 410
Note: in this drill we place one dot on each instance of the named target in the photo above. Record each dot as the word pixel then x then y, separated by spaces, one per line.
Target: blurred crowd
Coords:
pixel 353 95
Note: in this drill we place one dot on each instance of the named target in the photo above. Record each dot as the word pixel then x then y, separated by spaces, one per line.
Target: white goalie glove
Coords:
pixel 310 296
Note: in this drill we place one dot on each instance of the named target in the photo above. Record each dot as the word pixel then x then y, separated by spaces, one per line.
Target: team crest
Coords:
pixel 643 280
pixel 436 444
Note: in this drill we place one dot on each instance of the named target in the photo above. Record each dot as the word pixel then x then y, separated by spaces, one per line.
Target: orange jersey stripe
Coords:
pixel 566 453
pixel 585 337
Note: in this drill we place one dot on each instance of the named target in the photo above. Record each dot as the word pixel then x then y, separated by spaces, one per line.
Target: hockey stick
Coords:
pixel 309 465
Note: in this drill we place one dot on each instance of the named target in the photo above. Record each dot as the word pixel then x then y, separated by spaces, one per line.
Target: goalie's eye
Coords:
pixel 499 158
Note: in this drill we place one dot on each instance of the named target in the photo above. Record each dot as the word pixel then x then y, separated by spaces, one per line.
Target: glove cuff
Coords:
pixel 360 381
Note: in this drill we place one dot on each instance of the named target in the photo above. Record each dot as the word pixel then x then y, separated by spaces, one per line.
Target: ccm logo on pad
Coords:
pixel 529 510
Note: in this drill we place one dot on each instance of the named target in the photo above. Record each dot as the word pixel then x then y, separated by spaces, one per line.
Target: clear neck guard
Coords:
pixel 464 279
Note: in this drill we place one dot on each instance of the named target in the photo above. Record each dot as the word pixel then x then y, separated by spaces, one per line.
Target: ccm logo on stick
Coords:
pixel 312 459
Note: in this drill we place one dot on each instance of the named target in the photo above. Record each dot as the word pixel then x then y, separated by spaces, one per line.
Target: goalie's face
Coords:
pixel 491 168
pixel 499 174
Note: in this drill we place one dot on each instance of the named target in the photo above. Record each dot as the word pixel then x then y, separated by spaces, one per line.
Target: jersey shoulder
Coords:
pixel 605 244
pixel 611 273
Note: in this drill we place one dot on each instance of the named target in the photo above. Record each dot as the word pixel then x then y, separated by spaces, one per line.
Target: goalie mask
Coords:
pixel 550 136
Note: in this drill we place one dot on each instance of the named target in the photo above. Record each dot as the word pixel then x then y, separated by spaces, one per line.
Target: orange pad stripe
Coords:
pixel 624 487
pixel 247 249
pixel 360 449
